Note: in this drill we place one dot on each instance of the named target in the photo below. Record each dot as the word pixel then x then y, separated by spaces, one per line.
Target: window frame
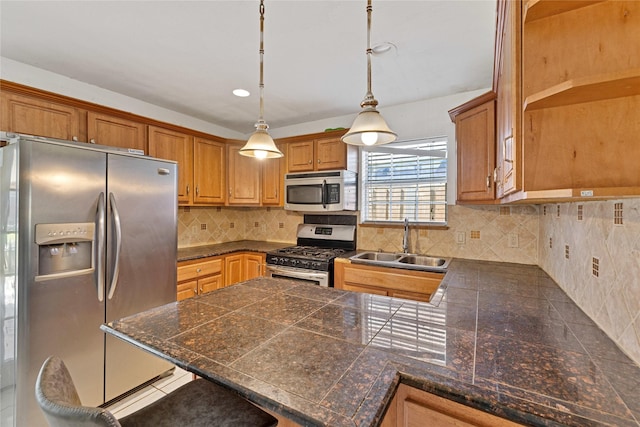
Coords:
pixel 363 202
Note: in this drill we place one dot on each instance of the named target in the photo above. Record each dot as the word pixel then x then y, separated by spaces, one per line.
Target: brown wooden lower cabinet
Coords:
pixel 243 266
pixel 196 277
pixel 412 407
pixel 393 282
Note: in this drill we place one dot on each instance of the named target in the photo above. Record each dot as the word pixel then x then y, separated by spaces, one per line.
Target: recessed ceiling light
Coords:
pixel 241 93
pixel 383 47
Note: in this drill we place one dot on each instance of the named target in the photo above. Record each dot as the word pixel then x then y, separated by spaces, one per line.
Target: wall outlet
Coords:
pixel 194 229
pixel 460 237
pixel 513 240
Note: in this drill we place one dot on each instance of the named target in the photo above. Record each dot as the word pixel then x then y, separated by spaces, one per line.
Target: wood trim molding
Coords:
pixel 298 138
pixel 475 102
pixel 501 16
pixel 20 89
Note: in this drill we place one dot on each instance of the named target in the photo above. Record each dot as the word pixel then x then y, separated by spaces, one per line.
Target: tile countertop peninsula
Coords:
pixel 196 252
pixel 503 338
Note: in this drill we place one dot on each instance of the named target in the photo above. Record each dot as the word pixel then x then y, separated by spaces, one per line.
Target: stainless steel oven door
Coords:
pixel 320 278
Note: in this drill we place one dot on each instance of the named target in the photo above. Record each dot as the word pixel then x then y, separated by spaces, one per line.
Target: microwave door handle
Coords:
pixel 324 194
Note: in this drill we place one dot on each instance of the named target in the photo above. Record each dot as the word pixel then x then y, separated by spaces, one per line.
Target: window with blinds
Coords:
pixel 405 180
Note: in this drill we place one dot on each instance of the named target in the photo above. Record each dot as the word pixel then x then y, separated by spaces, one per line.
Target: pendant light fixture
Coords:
pixel 260 144
pixel 369 128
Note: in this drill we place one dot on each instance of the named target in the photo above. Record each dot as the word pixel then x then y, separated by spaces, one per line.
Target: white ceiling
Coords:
pixel 188 56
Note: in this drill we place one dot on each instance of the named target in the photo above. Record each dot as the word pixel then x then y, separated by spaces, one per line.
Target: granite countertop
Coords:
pixel 503 338
pixel 196 252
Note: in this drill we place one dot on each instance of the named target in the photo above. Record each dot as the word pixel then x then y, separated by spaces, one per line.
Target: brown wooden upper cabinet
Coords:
pixel 580 99
pixel 176 146
pixel 476 143
pixel 320 153
pixel 209 172
pixel 272 181
pixel 508 81
pixel 116 132
pixel 244 178
pixel 568 96
pixel 40 117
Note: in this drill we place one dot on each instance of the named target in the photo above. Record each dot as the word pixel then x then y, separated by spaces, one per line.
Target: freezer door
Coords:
pixel 58 314
pixel 141 259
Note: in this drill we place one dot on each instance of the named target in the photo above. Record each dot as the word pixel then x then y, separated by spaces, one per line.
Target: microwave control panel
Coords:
pixel 333 193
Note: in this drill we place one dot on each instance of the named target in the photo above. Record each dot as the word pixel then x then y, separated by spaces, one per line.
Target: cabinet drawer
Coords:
pixel 200 269
pixel 365 289
pixel 393 279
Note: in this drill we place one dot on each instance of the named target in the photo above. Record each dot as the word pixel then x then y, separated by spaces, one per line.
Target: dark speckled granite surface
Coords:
pixel 196 252
pixel 503 338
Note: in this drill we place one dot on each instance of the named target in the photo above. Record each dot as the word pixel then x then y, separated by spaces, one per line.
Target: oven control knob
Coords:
pixel 304 264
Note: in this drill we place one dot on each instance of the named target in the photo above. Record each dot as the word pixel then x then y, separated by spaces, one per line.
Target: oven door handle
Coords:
pixel 324 193
pixel 295 273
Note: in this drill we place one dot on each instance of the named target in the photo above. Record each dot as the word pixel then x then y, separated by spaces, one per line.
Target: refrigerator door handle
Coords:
pixel 99 255
pixel 118 230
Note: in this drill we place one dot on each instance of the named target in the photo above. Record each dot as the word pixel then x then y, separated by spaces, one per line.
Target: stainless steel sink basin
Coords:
pixel 377 256
pixel 402 260
pixel 427 261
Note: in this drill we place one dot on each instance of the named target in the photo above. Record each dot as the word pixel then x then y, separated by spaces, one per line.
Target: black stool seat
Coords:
pixel 199 403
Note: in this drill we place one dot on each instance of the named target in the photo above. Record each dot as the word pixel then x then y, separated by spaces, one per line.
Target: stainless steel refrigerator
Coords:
pixel 88 235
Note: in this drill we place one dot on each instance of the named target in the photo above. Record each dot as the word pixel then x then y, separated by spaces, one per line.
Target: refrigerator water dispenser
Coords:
pixel 64 250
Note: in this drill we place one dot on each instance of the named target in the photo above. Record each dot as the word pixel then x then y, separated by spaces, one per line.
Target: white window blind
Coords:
pixel 405 180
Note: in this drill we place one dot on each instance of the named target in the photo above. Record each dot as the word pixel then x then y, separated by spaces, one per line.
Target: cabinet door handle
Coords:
pixel 309 161
pixel 92 141
pixel 319 161
pixel 74 138
pixel 187 189
pixel 488 181
pixel 197 190
pixel 198 270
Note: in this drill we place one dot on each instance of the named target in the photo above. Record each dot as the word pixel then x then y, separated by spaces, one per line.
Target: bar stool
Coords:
pixel 199 403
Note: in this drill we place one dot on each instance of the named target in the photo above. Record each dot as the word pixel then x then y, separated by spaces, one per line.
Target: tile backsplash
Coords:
pixel 595 258
pixel 490 233
pixel 484 233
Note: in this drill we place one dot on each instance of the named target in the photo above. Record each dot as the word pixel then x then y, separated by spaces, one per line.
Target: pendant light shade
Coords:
pixel 260 144
pixel 369 127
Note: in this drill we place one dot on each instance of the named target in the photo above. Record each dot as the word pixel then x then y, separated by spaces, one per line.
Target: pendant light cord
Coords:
pixel 261 51
pixel 369 100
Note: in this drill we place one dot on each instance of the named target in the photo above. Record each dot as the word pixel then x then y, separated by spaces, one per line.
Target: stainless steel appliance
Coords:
pixel 88 235
pixel 312 258
pixel 327 191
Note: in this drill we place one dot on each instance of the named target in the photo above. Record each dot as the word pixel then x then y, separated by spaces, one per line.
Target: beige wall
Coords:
pixel 612 298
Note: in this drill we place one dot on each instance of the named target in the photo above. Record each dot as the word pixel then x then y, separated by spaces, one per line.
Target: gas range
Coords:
pixel 312 258
pixel 307 257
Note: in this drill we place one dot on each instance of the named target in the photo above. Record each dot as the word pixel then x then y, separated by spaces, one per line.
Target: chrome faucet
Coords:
pixel 405 239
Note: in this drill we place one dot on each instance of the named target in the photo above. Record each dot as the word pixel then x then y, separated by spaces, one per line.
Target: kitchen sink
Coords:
pixel 427 261
pixel 378 256
pixel 402 260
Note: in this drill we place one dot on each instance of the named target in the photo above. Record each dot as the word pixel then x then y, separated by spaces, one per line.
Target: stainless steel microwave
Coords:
pixel 326 191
